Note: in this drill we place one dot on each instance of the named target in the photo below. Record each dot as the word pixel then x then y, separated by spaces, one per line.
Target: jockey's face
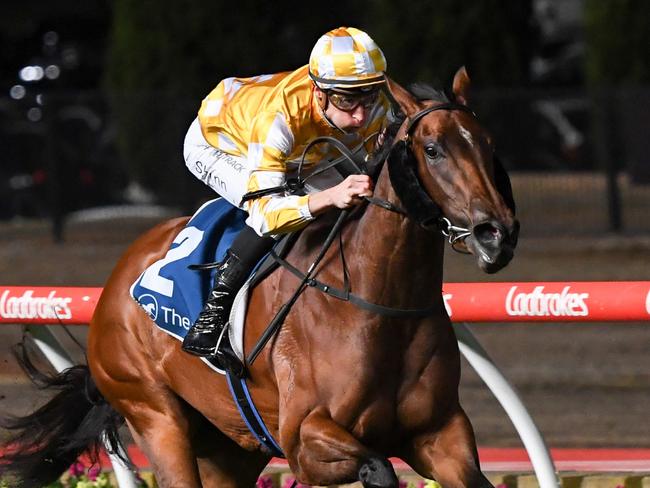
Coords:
pixel 348 112
pixel 347 121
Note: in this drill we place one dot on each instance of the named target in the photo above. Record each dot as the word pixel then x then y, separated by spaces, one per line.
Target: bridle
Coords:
pixel 413 121
pixel 453 233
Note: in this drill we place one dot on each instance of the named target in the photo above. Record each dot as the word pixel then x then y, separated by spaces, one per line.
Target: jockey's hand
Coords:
pixel 347 194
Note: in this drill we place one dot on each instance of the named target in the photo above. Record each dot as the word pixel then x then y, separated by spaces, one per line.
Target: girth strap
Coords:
pixel 345 295
pixel 248 412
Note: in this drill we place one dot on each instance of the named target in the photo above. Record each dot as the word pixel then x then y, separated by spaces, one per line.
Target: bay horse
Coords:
pixel 340 388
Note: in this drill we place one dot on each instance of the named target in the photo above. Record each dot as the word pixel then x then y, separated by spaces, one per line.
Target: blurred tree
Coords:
pixel 618 67
pixel 618 41
pixel 165 56
pixel 428 41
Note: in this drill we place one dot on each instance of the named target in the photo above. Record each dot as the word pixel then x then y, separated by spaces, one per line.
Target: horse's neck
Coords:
pixel 393 259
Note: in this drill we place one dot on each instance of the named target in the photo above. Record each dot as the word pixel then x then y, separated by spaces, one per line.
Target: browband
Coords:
pixel 445 106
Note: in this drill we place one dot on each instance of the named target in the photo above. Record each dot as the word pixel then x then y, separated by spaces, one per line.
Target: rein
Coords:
pixel 277 321
pixel 346 296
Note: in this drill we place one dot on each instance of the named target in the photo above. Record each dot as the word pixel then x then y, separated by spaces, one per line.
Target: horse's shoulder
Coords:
pixel 311 238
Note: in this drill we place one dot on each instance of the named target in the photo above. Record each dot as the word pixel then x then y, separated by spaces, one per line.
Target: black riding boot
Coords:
pixel 202 337
pixel 245 252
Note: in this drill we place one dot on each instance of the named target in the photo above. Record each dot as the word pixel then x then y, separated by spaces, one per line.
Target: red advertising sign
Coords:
pixel 47 305
pixel 578 301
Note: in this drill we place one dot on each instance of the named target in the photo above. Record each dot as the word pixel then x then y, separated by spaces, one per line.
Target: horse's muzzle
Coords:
pixel 493 244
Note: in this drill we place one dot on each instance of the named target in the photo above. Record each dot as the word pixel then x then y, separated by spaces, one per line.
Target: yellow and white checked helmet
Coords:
pixel 346 58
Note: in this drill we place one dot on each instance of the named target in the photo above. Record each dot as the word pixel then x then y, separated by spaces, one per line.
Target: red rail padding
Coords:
pixel 575 301
pixel 47 304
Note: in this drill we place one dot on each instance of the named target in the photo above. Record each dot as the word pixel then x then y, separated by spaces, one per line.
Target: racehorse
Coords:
pixel 339 387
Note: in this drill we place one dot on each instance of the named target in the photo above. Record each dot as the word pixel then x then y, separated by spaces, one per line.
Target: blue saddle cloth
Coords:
pixel 172 294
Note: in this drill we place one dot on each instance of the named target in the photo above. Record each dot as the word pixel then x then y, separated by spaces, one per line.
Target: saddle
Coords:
pixel 173 295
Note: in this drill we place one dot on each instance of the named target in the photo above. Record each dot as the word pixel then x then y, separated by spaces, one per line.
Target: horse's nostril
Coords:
pixel 487 233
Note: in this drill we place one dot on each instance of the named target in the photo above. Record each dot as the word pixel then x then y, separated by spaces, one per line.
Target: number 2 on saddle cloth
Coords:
pixel 172 294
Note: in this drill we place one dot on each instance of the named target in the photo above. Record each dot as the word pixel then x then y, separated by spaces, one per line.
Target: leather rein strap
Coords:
pixel 345 295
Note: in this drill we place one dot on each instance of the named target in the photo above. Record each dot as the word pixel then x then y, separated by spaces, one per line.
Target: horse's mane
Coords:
pixel 422 92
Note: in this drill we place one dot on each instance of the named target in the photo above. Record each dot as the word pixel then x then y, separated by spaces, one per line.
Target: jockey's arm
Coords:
pixel 271 141
pixel 278 214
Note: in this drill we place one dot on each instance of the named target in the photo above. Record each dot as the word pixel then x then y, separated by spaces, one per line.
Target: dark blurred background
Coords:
pixel 95 96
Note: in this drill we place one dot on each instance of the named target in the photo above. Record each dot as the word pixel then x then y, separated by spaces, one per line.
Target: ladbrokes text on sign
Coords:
pixel 27 306
pixel 539 304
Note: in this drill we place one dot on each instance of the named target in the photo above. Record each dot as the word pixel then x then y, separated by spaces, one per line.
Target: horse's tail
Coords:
pixel 76 421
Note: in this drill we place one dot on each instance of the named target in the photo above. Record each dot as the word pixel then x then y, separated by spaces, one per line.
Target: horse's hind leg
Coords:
pixel 222 462
pixel 449 455
pixel 186 451
pixel 162 430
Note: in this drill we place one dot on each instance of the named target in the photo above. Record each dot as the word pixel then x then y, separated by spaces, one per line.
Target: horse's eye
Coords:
pixel 432 151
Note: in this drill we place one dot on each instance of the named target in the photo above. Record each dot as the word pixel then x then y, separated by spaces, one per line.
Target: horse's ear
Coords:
pixel 461 86
pixel 407 102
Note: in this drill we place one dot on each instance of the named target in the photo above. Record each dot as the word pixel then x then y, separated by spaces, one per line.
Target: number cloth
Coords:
pixel 250 134
pixel 168 291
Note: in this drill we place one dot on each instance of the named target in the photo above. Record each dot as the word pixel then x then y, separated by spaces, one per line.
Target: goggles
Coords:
pixel 349 102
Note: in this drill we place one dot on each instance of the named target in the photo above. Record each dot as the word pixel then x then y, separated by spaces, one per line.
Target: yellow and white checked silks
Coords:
pixel 250 134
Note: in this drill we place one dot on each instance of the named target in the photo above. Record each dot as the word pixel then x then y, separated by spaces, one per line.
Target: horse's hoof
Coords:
pixel 378 473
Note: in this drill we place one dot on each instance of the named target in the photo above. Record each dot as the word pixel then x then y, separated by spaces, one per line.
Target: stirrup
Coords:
pixel 225 356
pixel 202 341
pixel 229 362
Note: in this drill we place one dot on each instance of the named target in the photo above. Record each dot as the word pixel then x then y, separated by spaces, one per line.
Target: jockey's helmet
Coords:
pixel 346 58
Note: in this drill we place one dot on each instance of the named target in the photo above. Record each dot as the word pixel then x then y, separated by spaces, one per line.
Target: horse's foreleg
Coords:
pixel 327 454
pixel 215 473
pixel 449 455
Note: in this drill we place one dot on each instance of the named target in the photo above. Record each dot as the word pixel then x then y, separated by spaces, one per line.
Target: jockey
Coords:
pixel 250 134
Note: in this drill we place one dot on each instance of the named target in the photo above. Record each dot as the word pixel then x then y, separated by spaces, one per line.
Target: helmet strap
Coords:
pixel 321 96
pixel 323 103
pixel 330 121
